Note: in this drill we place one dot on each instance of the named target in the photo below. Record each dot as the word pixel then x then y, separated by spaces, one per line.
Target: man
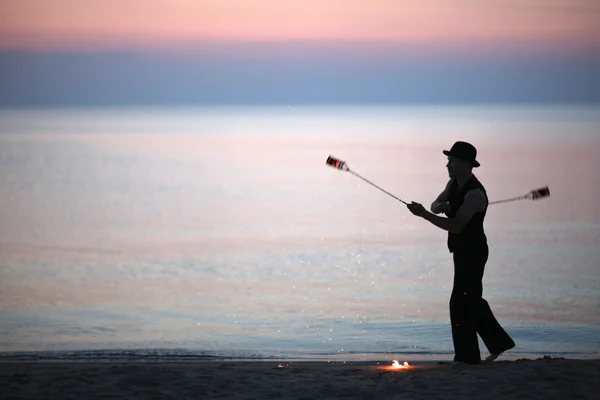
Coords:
pixel 464 201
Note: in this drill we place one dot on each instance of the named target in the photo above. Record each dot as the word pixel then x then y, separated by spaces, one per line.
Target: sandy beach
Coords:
pixel 543 378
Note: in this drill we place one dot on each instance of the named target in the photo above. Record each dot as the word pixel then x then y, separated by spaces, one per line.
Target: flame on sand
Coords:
pixel 396 364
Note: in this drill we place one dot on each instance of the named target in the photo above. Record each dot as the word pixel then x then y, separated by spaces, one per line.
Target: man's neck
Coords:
pixel 463 179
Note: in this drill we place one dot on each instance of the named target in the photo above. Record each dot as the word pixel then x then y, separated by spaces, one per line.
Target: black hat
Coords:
pixel 464 151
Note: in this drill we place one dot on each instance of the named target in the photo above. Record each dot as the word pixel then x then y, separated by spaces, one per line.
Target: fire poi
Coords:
pixel 534 194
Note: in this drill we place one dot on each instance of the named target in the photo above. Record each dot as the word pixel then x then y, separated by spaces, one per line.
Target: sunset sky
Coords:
pixel 365 45
pixel 149 23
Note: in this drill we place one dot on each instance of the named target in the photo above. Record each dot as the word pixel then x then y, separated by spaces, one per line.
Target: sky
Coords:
pixel 68 52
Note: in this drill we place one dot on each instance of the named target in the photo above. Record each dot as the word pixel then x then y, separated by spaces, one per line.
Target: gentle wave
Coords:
pixel 175 355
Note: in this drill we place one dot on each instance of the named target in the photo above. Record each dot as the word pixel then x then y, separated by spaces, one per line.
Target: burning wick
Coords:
pixel 396 364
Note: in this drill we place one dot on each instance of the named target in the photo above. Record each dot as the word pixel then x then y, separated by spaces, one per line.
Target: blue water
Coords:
pixel 219 231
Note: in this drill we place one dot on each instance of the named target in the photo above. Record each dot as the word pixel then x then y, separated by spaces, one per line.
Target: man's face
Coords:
pixel 457 167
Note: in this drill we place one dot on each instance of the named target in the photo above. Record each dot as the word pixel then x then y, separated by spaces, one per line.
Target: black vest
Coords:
pixel 472 234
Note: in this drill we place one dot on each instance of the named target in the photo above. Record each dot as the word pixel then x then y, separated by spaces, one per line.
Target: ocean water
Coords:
pixel 221 231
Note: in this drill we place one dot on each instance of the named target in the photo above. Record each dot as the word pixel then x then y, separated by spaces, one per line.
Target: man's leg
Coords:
pixel 463 310
pixel 492 334
pixel 464 332
pixel 495 338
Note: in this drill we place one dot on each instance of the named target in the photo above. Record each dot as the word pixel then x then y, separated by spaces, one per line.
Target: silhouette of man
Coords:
pixel 464 201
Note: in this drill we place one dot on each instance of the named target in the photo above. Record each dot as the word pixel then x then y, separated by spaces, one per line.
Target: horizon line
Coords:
pixel 530 44
pixel 545 103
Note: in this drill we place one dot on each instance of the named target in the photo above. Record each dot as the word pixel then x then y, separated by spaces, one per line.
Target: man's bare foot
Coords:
pixel 491 357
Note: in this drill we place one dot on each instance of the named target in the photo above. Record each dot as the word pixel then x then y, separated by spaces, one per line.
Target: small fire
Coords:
pixel 396 364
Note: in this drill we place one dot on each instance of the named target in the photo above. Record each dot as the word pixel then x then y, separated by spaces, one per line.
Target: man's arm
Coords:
pixel 440 203
pixel 474 202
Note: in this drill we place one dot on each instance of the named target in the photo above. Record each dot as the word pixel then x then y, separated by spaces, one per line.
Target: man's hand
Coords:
pixel 440 207
pixel 446 208
pixel 417 209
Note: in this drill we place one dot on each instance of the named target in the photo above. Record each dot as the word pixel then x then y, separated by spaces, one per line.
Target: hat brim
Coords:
pixel 475 163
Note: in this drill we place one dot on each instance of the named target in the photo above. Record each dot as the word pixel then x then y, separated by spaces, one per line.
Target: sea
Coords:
pixel 219 231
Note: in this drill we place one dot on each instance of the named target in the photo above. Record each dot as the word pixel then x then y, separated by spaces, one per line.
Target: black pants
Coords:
pixel 470 314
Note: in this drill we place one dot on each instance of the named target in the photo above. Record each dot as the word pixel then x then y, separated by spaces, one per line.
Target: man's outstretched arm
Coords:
pixel 444 223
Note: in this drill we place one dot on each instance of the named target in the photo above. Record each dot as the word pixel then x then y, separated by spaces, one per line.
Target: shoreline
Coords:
pixel 105 355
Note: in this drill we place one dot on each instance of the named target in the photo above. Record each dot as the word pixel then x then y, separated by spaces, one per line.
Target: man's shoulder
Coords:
pixel 476 196
pixel 477 192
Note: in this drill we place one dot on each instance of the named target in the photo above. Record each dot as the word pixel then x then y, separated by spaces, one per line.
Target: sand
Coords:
pixel 522 379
